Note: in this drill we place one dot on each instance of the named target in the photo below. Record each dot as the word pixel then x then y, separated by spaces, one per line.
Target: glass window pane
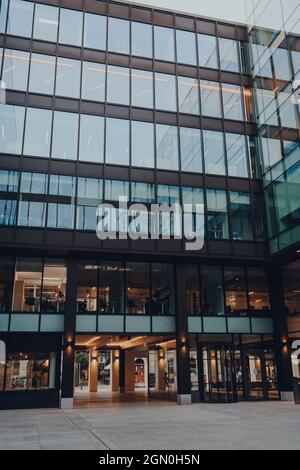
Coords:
pixel 65 127
pixel 259 297
pixel 70 27
pixel 118 35
pixel 42 73
pixel 212 291
pixel 259 209
pixel 12 127
pixel 94 31
pixel 115 189
pixel 45 22
pixel 93 81
pixel 211 98
pixel 8 212
pixel 142 144
pixel 236 293
pixel 214 152
pixel 3 15
pixel 68 78
pixel 229 55
pixel 237 157
pixel 9 181
pixel 27 285
pixel 167 147
pixel 37 132
pixel 118 85
pixel 291 283
pixel 91 148
pixel 143 193
pixel 34 183
pixel 208 51
pixel 164 43
pixel 60 216
pixel 15 69
pixel 54 286
pixel 217 214
pixel 32 214
pixel 168 194
pixel 111 288
pixel 165 92
pixel 281 62
pixel 137 288
pixel 142 88
pixel 141 35
pixel 20 18
pixel 186 47
pixel 190 149
pixel 86 218
pixel 162 301
pixel 241 215
pixel 188 95
pixel 117 141
pixel 192 290
pixel 232 99
pixel 61 185
pixel 90 190
pixel 193 223
pixel 87 287
pixel 6 280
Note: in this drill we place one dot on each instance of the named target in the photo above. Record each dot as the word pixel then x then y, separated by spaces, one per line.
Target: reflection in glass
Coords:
pixel 9 181
pixel 236 292
pixel 91 148
pixel 111 288
pixel 188 95
pixel 42 74
pixel 45 22
pixel 217 214
pixel 87 288
pixel 212 291
pixel 32 214
pixel 30 371
pixel 241 213
pixel 93 81
pixel 65 127
pixel 117 141
pixel 70 27
pixel 138 288
pixel 142 144
pixel 68 78
pixel 118 85
pixel 259 297
pixel 211 98
pixel 20 17
pixel 232 99
pixel 229 55
pixel 167 147
pixel 237 157
pixel 37 132
pixel 193 290
pixel 186 47
pixel 164 39
pixel 165 92
pixel 118 35
pixel 12 128
pixel 208 51
pixel 34 183
pixel 15 69
pixel 54 286
pixel 190 150
pixel 94 31
pixel 8 212
pixel 162 301
pixel 142 88
pixel 60 216
pixel 61 185
pixel 214 152
pixel 141 39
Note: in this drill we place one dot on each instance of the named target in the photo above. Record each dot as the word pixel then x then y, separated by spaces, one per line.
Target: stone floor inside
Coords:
pixel 154 425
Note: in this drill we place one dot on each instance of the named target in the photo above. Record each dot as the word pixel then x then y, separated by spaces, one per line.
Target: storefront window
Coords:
pixel 258 289
pixel 236 292
pixel 6 280
pixel 138 288
pixel 163 298
pixel 193 290
pixel 111 288
pixel 30 371
pixel 212 291
pixel 27 285
pixel 54 286
pixel 87 288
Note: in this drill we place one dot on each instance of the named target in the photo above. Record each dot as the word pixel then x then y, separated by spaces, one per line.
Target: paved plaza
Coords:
pixel 154 425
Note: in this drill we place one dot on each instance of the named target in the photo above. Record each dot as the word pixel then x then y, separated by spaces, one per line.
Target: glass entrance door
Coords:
pixel 254 375
pixel 219 374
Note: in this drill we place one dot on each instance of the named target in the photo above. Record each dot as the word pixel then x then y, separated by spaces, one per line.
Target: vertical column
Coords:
pixel 122 373
pixel 93 371
pixel 67 384
pixel 115 371
pixel 184 396
pixel 161 371
pixel 285 370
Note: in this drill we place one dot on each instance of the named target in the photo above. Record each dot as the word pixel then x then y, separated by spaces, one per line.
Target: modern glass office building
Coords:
pixel 103 100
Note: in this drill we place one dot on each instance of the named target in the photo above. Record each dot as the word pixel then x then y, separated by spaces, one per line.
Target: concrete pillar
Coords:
pixel 122 374
pixel 129 371
pixel 161 371
pixel 93 371
pixel 115 370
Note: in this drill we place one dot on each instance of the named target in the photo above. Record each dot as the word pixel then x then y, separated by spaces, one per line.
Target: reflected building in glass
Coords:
pixel 107 100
